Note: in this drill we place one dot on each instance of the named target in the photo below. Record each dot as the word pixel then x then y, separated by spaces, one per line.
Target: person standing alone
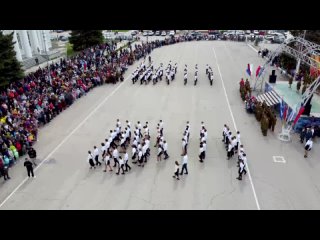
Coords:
pixel 29 167
pixel 32 155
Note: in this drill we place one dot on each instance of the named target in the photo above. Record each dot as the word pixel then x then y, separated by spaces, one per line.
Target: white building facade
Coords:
pixel 30 43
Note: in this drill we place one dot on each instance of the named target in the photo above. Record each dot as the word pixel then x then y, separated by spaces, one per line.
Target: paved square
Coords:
pixel 64 180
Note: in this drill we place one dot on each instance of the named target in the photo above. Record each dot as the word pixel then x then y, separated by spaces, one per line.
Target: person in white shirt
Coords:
pixel 126 158
pixel 161 127
pixel 146 131
pixel 184 164
pixel 229 154
pixel 238 141
pixel 147 142
pixel 244 161
pixel 234 145
pixel 121 165
pixel 201 132
pixel 211 79
pixel 107 145
pixel 185 78
pixel 184 147
pixel 224 133
pixel 165 150
pixel 160 151
pixel 241 169
pixel 115 155
pixel 201 152
pixel 103 151
pixel 134 154
pixel 123 143
pixel 308 147
pixel 176 170
pixel 187 131
pixel 195 78
pixel 204 145
pixel 240 153
pixel 144 152
pixel 140 159
pixel 207 68
pixel 96 155
pixel 90 160
pixel 107 162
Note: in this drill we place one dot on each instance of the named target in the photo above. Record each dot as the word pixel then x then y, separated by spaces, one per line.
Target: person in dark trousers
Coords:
pixel 28 164
pixel 4 170
pixel 241 170
pixel 176 170
pixel 308 134
pixel 121 165
pixel 126 157
pixel 96 156
pixel 184 164
pixel 90 160
pixel 32 155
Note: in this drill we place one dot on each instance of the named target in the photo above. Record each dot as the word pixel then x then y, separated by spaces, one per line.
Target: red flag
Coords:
pixel 258 70
pixel 298 115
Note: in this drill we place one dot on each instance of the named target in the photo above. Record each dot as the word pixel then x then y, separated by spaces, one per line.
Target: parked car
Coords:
pixel 256 32
pixel 163 33
pixel 145 33
pixel 171 33
pixel 157 33
pixel 278 39
pixel 150 33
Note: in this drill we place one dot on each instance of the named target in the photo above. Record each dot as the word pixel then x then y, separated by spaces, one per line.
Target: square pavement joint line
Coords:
pixel 279 159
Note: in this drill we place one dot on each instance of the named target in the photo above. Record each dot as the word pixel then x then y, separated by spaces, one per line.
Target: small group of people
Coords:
pixel 171 71
pixel 141 145
pixel 233 146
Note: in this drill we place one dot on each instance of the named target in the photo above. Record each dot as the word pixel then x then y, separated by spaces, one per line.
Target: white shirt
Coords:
pixel 234 142
pixel 165 146
pixel 126 157
pixel 161 125
pixel 144 149
pixel 113 135
pixel 201 150
pixel 241 165
pixel 119 124
pixel 134 150
pixel 203 139
pixel 110 139
pixel 185 159
pixel 115 153
pixel 96 152
pixel 238 138
pixel 176 168
pixel 159 150
pixel 139 147
pixel 229 147
pixel 107 158
pixel 310 143
pixel 89 157
pixel 244 159
pixel 147 142
pixel 204 146
pixel 139 126
pixel 146 131
pixel 225 130
pixel 121 161
pixel 103 148
pixel 107 145
pixel 140 154
pixel 206 135
pixel 137 132
pixel 129 124
pixel 183 144
pixel 135 142
pixel 122 140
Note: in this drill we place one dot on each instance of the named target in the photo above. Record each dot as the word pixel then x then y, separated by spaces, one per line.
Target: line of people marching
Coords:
pixel 232 147
pixel 116 145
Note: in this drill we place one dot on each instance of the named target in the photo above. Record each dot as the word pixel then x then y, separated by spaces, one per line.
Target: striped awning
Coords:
pixel 271 98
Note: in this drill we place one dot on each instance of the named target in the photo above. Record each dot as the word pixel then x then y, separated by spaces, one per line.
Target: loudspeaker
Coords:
pixel 273 72
pixel 272 78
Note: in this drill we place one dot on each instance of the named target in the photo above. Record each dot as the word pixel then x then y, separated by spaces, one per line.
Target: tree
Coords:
pixel 10 67
pixel 82 39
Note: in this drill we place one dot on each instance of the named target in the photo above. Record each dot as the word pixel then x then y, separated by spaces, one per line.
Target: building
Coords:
pixel 30 43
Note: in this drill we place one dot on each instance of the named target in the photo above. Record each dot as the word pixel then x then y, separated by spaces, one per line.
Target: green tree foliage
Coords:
pixel 82 39
pixel 10 67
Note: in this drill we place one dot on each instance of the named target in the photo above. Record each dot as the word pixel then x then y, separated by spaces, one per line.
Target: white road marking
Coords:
pixel 252 47
pixel 64 140
pixel 279 159
pixel 235 126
